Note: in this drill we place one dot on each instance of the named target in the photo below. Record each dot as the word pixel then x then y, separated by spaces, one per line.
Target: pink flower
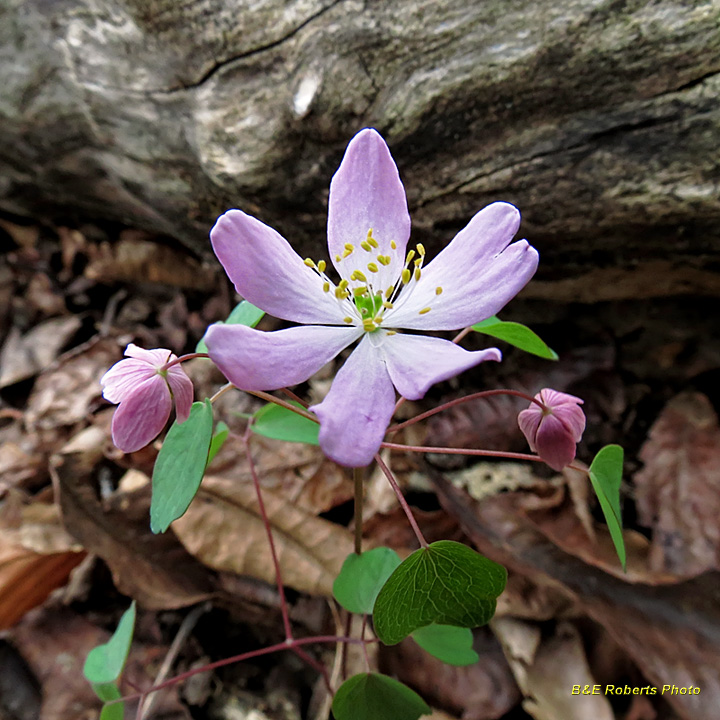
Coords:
pixel 145 392
pixel 381 289
pixel 553 433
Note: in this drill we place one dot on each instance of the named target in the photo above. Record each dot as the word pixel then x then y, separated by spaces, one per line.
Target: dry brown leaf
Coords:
pixel 223 529
pixel 299 472
pixel 485 690
pixel 36 557
pixel 547 669
pixel 135 257
pixel 153 569
pixel 24 356
pixel 64 394
pixel 678 490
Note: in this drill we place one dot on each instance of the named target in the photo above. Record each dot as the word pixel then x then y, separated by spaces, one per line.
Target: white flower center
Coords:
pixel 367 292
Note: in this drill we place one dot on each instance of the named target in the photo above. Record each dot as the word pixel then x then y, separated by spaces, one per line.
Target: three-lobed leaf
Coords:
pixel 361 578
pixel 244 313
pixel 516 334
pixel 606 477
pixel 371 696
pixel 446 583
pixel 180 466
pixel 279 423
pixel 449 643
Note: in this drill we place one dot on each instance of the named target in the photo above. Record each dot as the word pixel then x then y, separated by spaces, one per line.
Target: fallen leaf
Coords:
pixel 678 490
pixel 223 529
pixel 153 569
pixel 24 356
pixel 483 691
pixel 546 670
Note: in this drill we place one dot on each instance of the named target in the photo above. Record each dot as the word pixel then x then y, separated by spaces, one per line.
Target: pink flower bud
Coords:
pixel 553 432
pixel 146 394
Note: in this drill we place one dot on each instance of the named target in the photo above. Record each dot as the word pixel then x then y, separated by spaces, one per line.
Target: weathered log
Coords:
pixel 599 119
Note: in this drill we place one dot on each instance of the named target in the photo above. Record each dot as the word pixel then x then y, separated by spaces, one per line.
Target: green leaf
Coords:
pixel 516 334
pixel 218 439
pixel 180 466
pixel 606 478
pixel 105 662
pixel 361 578
pixel 371 696
pixel 446 583
pixel 451 644
pixel 279 423
pixel 244 313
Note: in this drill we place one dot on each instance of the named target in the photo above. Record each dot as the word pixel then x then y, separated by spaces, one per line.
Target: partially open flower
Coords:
pixel 146 393
pixel 553 432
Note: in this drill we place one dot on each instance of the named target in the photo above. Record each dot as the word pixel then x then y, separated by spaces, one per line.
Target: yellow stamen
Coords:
pixel 410 256
pixel 322 265
pixel 384 259
pixel 358 291
pixel 338 293
pixel 389 292
pixel 369 325
pixel 338 258
pixel 343 284
pixel 348 320
pixel 326 287
pixel 421 249
pixel 365 245
pixel 405 276
pixel 309 262
pixel 438 290
pixel 357 275
pixel 419 262
pixel 346 253
pixel 349 246
pixel 424 311
pixel 387 305
pixel 372 267
pixel 373 242
pixel 391 332
pixel 393 245
pixel 418 273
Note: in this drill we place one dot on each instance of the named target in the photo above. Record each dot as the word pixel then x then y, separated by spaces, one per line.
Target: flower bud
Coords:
pixel 146 393
pixel 554 430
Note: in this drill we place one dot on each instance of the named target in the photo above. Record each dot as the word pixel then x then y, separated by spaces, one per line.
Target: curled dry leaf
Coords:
pixel 678 490
pixel 36 557
pixel 223 529
pixel 547 669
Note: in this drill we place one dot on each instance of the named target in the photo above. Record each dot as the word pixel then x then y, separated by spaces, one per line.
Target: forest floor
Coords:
pixel 76 545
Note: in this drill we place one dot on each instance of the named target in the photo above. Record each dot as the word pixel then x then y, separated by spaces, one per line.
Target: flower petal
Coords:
pixel 268 273
pixel 529 422
pixel 356 412
pixel 182 390
pixel 554 444
pixel 256 360
pixel 416 362
pixel 478 273
pixel 366 193
pixel 142 415
pixel 123 377
pixel 156 357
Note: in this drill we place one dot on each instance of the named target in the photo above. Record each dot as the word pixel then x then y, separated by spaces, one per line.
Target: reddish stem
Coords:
pixel 181 359
pixel 464 451
pixel 268 531
pixel 400 497
pixel 466 398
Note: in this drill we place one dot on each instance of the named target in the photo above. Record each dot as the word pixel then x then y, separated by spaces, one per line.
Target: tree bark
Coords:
pixel 599 119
